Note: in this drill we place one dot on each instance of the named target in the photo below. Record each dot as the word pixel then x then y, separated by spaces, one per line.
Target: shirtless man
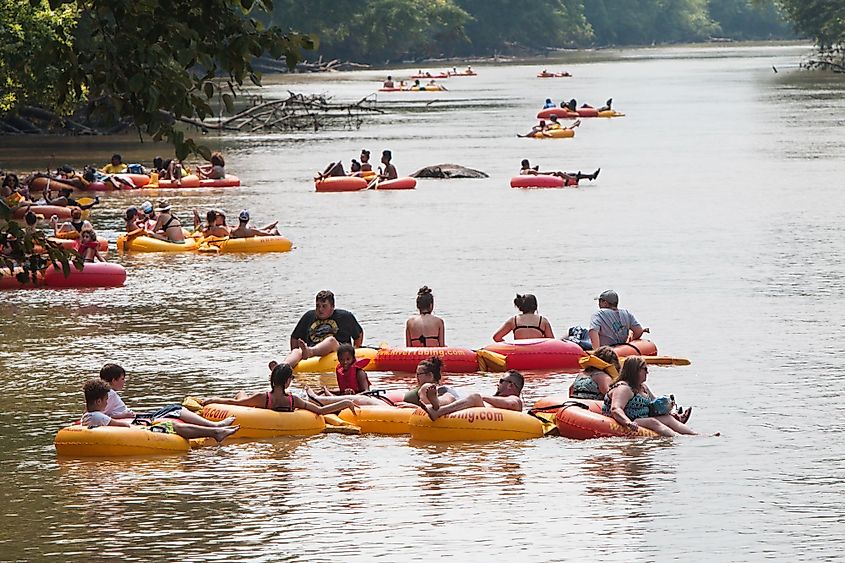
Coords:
pixel 243 230
pixel 507 397
pixel 389 172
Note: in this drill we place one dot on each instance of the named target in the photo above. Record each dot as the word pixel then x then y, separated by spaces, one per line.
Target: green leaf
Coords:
pixel 208 88
pixel 204 151
pixel 229 102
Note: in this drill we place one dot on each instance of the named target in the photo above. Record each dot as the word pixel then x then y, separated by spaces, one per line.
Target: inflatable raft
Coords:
pixel 577 420
pixel 328 363
pixel 45 211
pixel 455 360
pixel 379 420
pixel 335 184
pixel 539 354
pixel 564 113
pixel 553 75
pixel 402 183
pixel 265 423
pixel 561 133
pixel 464 73
pixel 541 181
pixel 249 244
pixel 109 441
pixel 229 181
pixel 189 181
pixel 636 348
pixel 430 76
pixel 99 274
pixel 475 424
pixel 40 183
pixel 144 243
pixel 71 243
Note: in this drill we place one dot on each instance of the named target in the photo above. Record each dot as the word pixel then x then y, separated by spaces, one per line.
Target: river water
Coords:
pixel 718 217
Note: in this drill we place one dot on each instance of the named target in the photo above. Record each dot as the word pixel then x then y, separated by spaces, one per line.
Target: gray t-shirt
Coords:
pixel 612 325
pixel 95 418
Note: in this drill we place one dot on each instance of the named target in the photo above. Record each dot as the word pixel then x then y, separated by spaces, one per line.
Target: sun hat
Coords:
pixel 163 205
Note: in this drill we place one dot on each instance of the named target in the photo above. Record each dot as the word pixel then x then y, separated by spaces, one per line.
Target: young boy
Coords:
pixel 97 397
pixel 115 377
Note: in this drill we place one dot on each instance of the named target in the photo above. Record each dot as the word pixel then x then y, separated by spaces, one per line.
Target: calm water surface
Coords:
pixel 718 216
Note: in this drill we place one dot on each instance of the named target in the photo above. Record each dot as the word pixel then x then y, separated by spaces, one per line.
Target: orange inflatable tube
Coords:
pixel 403 183
pixel 334 184
pixel 539 353
pixel 577 421
pixel 636 348
pixel 189 181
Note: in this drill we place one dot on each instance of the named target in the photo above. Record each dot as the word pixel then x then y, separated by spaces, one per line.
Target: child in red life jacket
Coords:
pixel 351 378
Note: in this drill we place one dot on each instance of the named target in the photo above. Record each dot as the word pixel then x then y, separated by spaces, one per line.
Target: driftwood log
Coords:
pixel 448 171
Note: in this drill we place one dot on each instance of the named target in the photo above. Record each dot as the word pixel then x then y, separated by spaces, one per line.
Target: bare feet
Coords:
pixel 596 174
pixel 221 434
pixel 685 416
pixel 432 414
pixel 312 395
pixel 225 422
pixel 306 351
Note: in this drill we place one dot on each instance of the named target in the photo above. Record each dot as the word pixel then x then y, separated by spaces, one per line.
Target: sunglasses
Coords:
pixel 507 381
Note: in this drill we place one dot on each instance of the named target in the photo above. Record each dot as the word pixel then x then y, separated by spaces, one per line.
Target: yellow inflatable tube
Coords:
pixel 110 441
pixel 328 363
pixel 611 113
pixel 379 420
pixel 250 244
pixel 265 423
pixel 149 244
pixel 555 134
pixel 475 424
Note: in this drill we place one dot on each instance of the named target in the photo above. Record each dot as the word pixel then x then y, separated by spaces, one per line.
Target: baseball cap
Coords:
pixel 147 207
pixel 610 296
pixel 244 215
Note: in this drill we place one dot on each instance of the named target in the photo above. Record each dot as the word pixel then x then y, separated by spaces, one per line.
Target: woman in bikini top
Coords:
pixel 168 224
pixel 425 329
pixel 527 324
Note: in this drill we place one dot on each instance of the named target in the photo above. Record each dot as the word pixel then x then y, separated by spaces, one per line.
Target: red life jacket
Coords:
pixel 347 379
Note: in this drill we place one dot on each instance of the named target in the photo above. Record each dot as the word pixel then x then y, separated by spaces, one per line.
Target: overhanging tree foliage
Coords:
pixel 824 22
pixel 149 61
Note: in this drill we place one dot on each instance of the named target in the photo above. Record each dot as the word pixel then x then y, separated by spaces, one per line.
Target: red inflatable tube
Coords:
pixel 560 400
pixel 334 184
pixel 541 181
pixel 37 185
pixel 99 187
pixel 455 360
pixel 636 348
pixel 403 183
pixel 438 75
pixel 45 211
pixel 578 421
pixel 102 244
pixel 564 113
pixel 539 353
pixel 228 182
pixel 99 274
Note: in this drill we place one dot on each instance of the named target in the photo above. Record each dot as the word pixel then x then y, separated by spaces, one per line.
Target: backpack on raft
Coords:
pixel 580 336
pixel 135 169
pixel 661 406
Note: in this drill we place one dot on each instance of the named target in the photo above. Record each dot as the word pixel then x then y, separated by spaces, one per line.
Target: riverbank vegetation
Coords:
pixel 380 31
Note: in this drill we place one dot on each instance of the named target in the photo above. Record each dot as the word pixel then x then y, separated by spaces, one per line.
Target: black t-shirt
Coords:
pixel 342 325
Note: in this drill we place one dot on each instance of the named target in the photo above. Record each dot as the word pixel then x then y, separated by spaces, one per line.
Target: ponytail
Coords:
pixel 280 376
